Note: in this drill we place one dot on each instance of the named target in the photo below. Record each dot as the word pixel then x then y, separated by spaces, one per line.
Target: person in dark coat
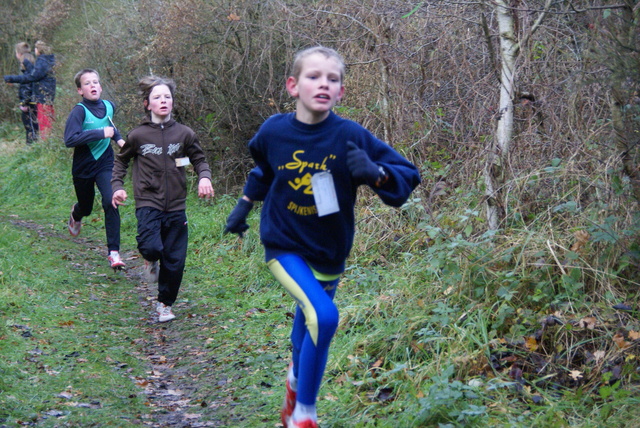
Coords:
pixel 44 86
pixel 25 92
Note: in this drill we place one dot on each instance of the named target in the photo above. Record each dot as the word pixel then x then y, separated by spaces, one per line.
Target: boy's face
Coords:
pixel 160 103
pixel 318 88
pixel 90 86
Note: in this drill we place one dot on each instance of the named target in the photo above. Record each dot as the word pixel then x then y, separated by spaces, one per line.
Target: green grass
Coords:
pixel 434 317
pixel 64 334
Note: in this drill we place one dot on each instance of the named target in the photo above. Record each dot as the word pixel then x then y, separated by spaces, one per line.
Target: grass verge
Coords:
pixel 440 325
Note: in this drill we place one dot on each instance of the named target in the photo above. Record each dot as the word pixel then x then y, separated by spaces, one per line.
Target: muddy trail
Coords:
pixel 170 392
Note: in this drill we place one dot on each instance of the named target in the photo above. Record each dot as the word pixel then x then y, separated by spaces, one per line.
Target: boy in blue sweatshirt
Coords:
pixel 89 130
pixel 309 165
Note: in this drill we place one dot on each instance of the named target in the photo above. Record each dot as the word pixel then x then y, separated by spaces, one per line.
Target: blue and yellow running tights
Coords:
pixel 315 322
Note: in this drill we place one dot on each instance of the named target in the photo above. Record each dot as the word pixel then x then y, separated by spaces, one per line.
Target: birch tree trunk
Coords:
pixel 498 155
pixel 497 166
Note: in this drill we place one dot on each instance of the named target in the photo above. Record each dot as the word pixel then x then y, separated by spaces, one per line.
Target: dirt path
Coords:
pixel 168 390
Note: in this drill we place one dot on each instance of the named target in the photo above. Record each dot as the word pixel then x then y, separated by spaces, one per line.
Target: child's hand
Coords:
pixel 24 108
pixel 118 198
pixel 205 189
pixel 237 220
pixel 360 166
pixel 108 131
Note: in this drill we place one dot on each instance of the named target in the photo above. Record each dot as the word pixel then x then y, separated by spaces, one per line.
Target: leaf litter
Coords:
pixel 591 352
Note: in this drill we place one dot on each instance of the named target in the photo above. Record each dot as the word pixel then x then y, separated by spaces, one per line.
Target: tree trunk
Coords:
pixel 498 157
pixel 497 167
pixel 626 132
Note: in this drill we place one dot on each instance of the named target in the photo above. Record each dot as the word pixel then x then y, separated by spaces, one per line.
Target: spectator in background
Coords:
pixel 25 92
pixel 44 86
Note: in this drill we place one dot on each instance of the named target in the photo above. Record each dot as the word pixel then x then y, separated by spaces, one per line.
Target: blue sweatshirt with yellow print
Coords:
pixel 287 154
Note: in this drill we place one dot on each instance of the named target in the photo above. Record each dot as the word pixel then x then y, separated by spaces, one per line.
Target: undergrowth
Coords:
pixel 443 323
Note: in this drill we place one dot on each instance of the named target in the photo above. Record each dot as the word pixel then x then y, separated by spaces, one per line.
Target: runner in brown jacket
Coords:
pixel 161 148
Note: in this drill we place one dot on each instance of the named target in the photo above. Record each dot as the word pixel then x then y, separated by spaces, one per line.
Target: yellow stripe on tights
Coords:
pixel 283 277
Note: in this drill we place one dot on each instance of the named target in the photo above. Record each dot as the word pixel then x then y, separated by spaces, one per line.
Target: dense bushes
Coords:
pixel 423 78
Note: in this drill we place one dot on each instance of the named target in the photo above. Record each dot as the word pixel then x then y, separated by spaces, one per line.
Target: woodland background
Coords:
pixel 424 76
pixel 523 117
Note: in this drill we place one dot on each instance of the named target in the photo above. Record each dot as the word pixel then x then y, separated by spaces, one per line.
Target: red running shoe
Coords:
pixel 305 423
pixel 289 402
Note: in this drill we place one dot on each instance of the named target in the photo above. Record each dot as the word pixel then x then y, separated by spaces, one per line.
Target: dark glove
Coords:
pixel 360 166
pixel 237 220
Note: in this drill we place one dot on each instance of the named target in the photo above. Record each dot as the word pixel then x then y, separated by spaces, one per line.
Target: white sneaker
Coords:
pixel 115 261
pixel 151 271
pixel 73 225
pixel 164 312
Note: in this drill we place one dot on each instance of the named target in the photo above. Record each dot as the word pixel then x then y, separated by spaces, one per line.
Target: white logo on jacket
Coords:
pixel 173 148
pixel 150 149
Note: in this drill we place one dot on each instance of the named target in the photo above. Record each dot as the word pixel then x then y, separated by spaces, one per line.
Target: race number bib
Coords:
pixel 324 193
pixel 182 162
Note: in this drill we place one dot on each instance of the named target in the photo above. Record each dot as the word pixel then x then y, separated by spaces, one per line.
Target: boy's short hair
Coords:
pixel 147 83
pixel 43 48
pixel 22 48
pixel 327 52
pixel 78 77
pixel 28 57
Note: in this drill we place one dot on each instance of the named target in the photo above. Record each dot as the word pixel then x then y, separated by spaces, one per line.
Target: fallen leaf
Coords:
pixel 599 355
pixel 531 343
pixel 575 374
pixel 634 335
pixel 233 17
pixel 588 323
pixel 582 238
pixel 620 341
pixel 475 383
